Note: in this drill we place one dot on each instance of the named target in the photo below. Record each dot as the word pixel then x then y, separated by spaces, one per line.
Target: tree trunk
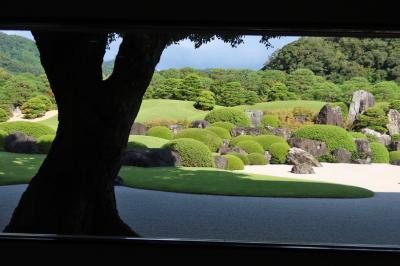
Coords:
pixel 73 191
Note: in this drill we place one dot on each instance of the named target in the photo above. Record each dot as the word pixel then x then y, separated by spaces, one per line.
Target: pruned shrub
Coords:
pixel 267 140
pixel 221 132
pixel 3 135
pixel 209 138
pixel 44 142
pixel 328 158
pixel 205 100
pixel 385 106
pixel 279 152
pixel 395 137
pixel 234 141
pixel 256 159
pixel 36 107
pixel 193 153
pixel 227 125
pixel 251 146
pixel 333 136
pixel 395 105
pixel 229 114
pixel 234 163
pixel 288 119
pixel 270 120
pixel 166 123
pixel 3 115
pixel 35 130
pixel 358 135
pixel 136 145
pixel 394 156
pixel 242 157
pixel 373 118
pixel 379 153
pixel 160 132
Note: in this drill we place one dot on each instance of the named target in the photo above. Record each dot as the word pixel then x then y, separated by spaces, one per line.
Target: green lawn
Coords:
pixel 151 142
pixel 284 105
pixel 19 168
pixel 51 122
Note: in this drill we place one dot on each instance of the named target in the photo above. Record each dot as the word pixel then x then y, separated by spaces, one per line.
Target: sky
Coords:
pixel 216 54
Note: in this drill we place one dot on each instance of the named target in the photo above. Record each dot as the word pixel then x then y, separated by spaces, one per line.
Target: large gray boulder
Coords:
pixel 220 162
pixel 364 151
pixel 394 122
pixel 361 101
pixel 329 115
pixel 385 139
pixel 138 129
pixel 175 128
pixel 227 150
pixel 150 157
pixel 200 124
pixel 19 142
pixel 255 117
pixel 342 155
pixel 314 147
pixel 238 131
pixel 302 169
pixel 298 156
pixel 285 133
pixel 267 156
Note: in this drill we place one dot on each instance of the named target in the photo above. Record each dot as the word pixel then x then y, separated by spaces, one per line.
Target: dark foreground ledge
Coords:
pixel 18 247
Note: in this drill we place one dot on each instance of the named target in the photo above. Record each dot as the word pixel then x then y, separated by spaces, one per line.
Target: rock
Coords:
pixel 138 129
pixel 362 161
pixel 382 138
pixel 342 155
pixel 314 147
pixel 255 117
pixel 363 148
pixel 368 131
pixel 238 131
pixel 361 101
pixel 19 142
pixel 302 169
pixel 329 115
pixel 395 145
pixel 226 150
pixel 175 128
pixel 394 122
pixel 385 139
pixel 220 162
pixel 225 143
pixel 150 157
pixel 396 162
pixel 267 156
pixel 285 133
pixel 298 156
pixel 200 124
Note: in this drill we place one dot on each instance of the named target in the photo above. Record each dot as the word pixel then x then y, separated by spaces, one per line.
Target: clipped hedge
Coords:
pixel 209 138
pixel 251 146
pixel 257 159
pixel 221 132
pixel 395 105
pixel 267 140
pixel 3 135
pixel 3 115
pixel 193 153
pixel 379 153
pixel 234 163
pixel 333 136
pixel 234 141
pixel 136 145
pixel 270 120
pixel 229 114
pixel 227 125
pixel 242 157
pixel 35 130
pixel 394 156
pixel 160 132
pixel 358 135
pixel 279 152
pixel 44 142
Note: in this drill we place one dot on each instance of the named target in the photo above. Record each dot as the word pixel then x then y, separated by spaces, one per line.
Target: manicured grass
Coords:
pixel 151 142
pixel 285 105
pixel 51 122
pixel 19 168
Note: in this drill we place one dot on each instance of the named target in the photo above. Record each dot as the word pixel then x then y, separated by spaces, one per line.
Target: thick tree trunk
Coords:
pixel 73 191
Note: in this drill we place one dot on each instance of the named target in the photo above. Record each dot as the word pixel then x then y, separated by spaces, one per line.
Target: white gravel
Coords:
pixel 47 115
pixel 375 177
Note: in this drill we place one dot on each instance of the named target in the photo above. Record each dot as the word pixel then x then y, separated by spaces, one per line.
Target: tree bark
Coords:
pixel 73 191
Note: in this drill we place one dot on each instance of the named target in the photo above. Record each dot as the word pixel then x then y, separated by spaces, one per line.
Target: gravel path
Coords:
pixel 171 215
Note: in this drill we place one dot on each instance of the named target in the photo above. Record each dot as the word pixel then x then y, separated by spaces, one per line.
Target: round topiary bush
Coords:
pixel 3 115
pixel 358 135
pixel 279 152
pixel 193 153
pixel 36 106
pixel 44 142
pixel 267 140
pixel 394 156
pixel 229 114
pixel 379 153
pixel 221 132
pixel 250 146
pixel 256 159
pixel 227 125
pixel 234 163
pixel 136 145
pixel 209 138
pixel 205 100
pixel 3 135
pixel 373 118
pixel 234 141
pixel 160 132
pixel 242 157
pixel 35 130
pixel 333 136
pixel 270 120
